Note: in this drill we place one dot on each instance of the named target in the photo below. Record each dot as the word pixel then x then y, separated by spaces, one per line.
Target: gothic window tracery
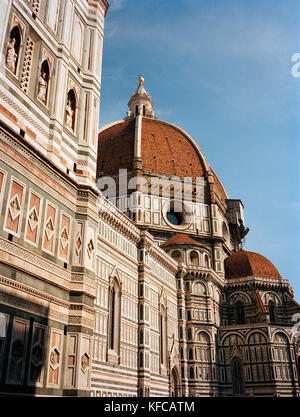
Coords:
pixel 258 357
pixel 203 356
pixel 282 357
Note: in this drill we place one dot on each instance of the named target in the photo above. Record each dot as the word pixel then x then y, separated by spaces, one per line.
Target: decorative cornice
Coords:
pixel 118 220
pixel 147 241
pixel 32 291
pixel 259 282
pixel 204 273
pixel 30 258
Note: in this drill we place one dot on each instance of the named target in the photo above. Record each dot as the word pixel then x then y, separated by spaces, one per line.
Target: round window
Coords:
pixel 177 214
pixel 174 217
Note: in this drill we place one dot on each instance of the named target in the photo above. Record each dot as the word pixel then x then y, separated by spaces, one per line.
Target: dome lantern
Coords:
pixel 140 103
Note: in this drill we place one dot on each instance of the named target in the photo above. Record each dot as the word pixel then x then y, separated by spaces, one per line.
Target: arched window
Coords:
pixel 13 49
pixel 144 110
pixel 259 356
pixel 206 260
pixel 176 254
pixel 194 258
pixel 44 82
pixel 174 384
pixel 282 357
pixel 200 288
pixel 239 312
pixel 163 335
pixel 203 356
pixel 237 375
pixel 190 354
pixel 114 304
pixel 136 110
pixel 191 373
pixel 189 333
pixel 272 311
pixel 71 109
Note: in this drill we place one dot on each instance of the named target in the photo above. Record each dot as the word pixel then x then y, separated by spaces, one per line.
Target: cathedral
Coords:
pixel 122 268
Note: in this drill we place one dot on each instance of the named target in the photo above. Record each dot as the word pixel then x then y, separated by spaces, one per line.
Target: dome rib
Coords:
pixel 165 149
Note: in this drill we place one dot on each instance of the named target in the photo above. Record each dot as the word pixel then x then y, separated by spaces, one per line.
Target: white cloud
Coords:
pixel 116 5
pixel 162 113
pixel 115 73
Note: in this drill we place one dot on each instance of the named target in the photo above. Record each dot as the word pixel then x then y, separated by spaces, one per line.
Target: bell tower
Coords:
pixel 50 71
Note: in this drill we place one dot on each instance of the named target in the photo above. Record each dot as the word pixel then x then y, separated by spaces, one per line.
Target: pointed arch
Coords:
pixel 237 376
pixel 163 335
pixel 175 387
pixel 114 318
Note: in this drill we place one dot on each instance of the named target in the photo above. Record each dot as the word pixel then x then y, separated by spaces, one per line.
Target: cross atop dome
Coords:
pixel 140 103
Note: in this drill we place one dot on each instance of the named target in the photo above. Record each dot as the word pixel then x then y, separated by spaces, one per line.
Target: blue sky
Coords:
pixel 221 70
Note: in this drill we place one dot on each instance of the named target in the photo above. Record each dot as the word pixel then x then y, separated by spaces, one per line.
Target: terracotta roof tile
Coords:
pixel 180 239
pixel 166 150
pixel 116 148
pixel 218 186
pixel 244 264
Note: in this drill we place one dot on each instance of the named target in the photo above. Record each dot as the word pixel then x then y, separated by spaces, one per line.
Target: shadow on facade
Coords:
pixel 23 341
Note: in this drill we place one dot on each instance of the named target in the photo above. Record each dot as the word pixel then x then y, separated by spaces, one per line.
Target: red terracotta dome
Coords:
pixel 165 149
pixel 244 264
pixel 219 186
pixel 116 147
pixel 151 146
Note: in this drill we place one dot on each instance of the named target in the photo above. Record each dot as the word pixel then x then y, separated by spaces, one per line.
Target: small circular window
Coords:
pixel 174 217
pixel 177 214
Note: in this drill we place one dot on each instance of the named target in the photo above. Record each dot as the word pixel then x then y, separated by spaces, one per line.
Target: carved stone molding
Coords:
pixel 32 307
pixel 30 290
pixel 81 321
pixel 31 258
